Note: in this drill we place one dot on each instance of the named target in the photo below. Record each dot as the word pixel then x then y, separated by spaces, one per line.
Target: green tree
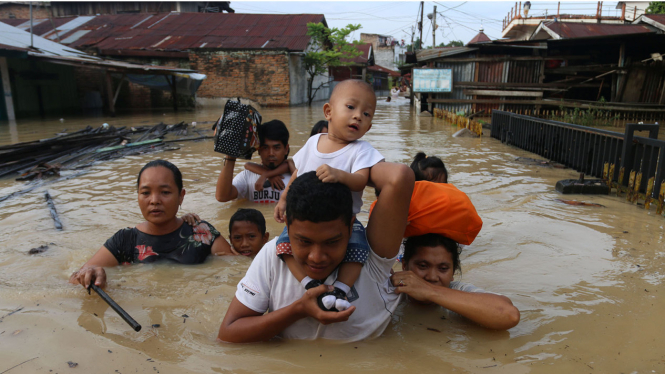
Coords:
pixel 328 48
pixel 656 7
pixel 416 43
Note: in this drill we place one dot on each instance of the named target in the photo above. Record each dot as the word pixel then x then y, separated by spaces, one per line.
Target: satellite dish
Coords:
pixel 430 15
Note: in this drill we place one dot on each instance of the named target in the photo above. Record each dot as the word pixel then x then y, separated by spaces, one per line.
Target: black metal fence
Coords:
pixel 631 164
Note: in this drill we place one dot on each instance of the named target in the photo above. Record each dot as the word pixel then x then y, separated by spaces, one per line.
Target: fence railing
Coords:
pixel 630 164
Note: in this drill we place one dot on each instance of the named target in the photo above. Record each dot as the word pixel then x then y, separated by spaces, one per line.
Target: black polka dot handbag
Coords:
pixel 237 130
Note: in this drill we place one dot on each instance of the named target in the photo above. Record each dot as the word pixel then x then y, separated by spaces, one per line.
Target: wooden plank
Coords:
pixel 511 58
pixel 548 102
pixel 503 93
pixel 524 86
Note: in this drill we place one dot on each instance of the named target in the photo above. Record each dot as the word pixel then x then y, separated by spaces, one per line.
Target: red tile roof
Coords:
pixel 569 30
pixel 183 31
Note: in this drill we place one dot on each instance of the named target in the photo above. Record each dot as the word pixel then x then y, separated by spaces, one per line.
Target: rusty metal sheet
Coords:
pixel 570 30
pixel 191 30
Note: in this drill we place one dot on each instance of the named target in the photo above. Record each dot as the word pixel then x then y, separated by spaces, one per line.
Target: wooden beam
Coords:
pixel 503 93
pixel 554 103
pixel 512 58
pixel 7 89
pixel 552 86
pixel 109 93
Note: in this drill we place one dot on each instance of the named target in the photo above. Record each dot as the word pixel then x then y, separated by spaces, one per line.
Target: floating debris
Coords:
pixel 37 250
pixel 581 203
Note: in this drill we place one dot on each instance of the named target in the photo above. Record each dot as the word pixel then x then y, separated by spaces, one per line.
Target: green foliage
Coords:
pixel 453 43
pixel 656 7
pixel 328 48
pixel 416 43
pixel 585 117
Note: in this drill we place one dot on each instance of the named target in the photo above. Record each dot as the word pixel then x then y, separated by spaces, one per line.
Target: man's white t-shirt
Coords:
pixel 245 181
pixel 269 285
pixel 355 156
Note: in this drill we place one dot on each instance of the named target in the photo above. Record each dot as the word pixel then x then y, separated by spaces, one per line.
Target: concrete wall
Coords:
pixel 261 76
pixel 385 57
pixel 298 78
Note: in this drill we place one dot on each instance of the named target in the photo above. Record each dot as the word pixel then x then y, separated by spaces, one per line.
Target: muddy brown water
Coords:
pixel 587 280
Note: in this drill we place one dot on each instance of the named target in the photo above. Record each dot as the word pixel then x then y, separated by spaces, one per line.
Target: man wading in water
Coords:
pixel 319 217
pixel 258 184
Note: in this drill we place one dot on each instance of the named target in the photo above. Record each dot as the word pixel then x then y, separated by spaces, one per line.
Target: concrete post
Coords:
pixel 7 89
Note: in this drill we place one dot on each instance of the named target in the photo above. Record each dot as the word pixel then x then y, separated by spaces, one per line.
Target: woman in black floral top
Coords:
pixel 162 236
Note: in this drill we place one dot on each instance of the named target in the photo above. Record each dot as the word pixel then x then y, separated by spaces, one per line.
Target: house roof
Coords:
pixel 366 56
pixel 434 53
pixel 572 30
pixel 655 20
pixel 183 31
pixel 384 70
pixel 480 38
pixel 17 40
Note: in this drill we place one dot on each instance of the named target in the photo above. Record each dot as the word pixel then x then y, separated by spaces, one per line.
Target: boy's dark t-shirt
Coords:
pixel 186 245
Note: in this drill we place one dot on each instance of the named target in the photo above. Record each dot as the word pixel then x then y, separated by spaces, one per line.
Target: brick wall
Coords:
pixel 261 76
pixel 22 11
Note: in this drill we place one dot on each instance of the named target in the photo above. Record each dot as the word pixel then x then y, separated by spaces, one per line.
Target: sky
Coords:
pixel 456 20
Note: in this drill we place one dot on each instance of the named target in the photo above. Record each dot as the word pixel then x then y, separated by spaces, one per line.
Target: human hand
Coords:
pixel 280 211
pixel 310 307
pixel 277 182
pixel 259 183
pixel 88 275
pixel 328 174
pixel 191 218
pixel 409 283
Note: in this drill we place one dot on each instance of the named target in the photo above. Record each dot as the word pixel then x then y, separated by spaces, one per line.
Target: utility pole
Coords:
pixel 413 32
pixel 420 25
pixel 434 28
pixel 31 43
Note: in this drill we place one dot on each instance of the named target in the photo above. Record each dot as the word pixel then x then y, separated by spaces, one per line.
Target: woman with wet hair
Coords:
pixel 429 264
pixel 429 168
pixel 163 236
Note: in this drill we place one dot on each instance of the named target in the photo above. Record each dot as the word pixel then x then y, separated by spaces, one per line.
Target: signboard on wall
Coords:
pixel 432 80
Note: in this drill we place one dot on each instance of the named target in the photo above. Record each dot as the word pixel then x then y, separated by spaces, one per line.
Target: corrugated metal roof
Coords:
pixel 383 70
pixel 15 39
pixel 189 31
pixel 571 30
pixel 366 50
pixel 434 53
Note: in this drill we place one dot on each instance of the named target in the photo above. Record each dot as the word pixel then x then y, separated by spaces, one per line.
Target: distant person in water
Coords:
pixel 319 128
pixel 163 236
pixel 428 267
pixel 259 183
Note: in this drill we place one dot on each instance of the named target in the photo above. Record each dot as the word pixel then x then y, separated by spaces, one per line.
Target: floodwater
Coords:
pixel 587 280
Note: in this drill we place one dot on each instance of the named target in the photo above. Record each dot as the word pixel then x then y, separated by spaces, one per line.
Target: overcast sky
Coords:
pixel 457 20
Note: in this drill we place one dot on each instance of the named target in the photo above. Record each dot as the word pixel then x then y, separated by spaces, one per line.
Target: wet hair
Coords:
pixel 309 199
pixel 422 162
pixel 274 130
pixel 249 215
pixel 177 176
pixel 346 82
pixel 412 244
pixel 318 128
